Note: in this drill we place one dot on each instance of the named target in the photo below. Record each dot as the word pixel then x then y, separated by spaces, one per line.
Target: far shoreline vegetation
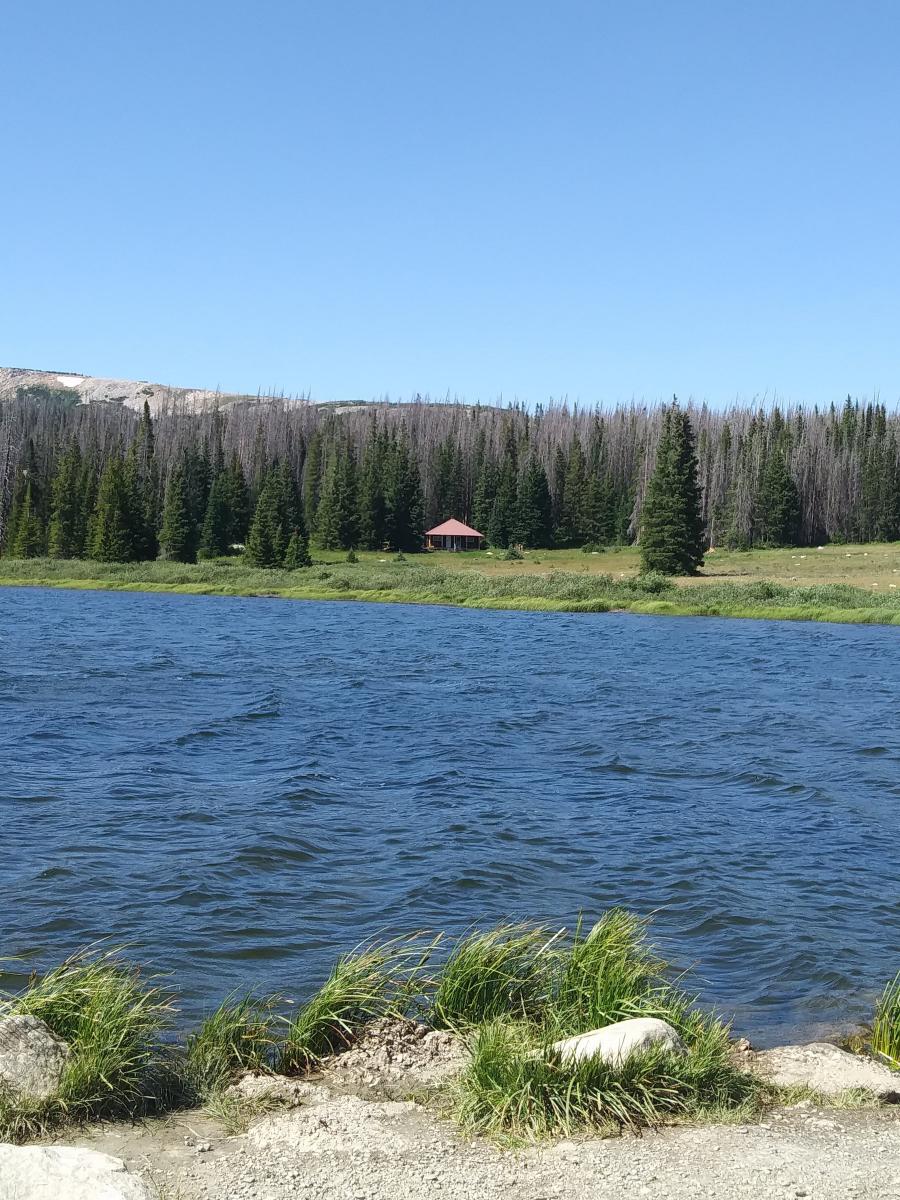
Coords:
pixel 107 498
pixel 851 584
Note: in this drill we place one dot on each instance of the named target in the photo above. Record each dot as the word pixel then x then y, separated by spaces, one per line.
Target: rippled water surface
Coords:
pixel 245 787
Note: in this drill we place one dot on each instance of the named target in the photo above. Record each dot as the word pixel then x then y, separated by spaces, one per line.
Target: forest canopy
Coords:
pixel 108 482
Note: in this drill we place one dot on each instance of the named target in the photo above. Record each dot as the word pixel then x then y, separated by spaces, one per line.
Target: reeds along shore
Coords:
pixel 509 992
pixel 412 582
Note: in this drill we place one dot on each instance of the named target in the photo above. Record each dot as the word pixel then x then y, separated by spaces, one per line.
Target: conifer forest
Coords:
pixel 106 482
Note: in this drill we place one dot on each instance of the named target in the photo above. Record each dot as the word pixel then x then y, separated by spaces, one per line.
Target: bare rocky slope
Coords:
pixel 87 389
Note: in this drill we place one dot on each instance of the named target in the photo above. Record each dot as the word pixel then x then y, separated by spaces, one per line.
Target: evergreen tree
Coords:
pixel 533 508
pixel 263 547
pixel 215 535
pixel 599 512
pixel 276 520
pixel 404 517
pixel 112 527
pixel 570 529
pixel 484 496
pixel 297 553
pixel 779 503
pixel 671 528
pixel 371 516
pixel 502 518
pixel 337 514
pixel 30 540
pixel 66 532
pixel 178 536
pixel 238 503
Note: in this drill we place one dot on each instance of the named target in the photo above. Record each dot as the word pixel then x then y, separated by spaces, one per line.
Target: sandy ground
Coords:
pixel 346 1148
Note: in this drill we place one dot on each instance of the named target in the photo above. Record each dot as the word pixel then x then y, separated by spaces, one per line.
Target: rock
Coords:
pixel 614 1043
pixel 31 1058
pixel 65 1173
pixel 826 1069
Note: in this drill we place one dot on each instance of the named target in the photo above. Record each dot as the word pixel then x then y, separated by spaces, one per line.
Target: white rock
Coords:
pixel 826 1069
pixel 614 1043
pixel 65 1173
pixel 31 1057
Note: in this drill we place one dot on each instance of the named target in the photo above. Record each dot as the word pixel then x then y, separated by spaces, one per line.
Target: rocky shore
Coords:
pixel 370 1125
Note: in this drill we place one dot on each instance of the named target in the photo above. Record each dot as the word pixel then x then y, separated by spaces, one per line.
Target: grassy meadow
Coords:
pixel 851 584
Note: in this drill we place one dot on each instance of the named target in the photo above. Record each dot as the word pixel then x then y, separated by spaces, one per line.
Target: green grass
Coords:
pixel 421 581
pixel 490 974
pixel 376 980
pixel 518 1087
pixel 886 1026
pixel 237 1037
pixel 518 1090
pixel 111 1016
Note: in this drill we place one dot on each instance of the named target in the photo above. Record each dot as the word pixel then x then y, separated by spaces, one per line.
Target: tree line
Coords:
pixel 105 482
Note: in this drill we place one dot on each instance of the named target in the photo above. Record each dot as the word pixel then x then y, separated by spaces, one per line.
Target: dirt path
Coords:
pixel 347 1148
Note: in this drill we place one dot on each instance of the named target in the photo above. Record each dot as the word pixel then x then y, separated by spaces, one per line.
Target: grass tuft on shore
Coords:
pixel 886 1026
pixel 375 980
pixel 237 1037
pixel 493 973
pixel 518 1087
pixel 110 1015
pixel 517 1090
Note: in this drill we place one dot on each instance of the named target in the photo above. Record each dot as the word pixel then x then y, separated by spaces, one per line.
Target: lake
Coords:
pixel 243 788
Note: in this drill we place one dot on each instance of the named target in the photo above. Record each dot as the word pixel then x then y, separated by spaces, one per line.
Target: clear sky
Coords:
pixel 487 197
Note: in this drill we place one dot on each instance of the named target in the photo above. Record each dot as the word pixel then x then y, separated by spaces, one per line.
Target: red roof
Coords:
pixel 453 528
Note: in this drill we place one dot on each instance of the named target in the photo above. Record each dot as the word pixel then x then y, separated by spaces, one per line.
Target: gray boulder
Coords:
pixel 32 1058
pixel 826 1069
pixel 614 1043
pixel 66 1173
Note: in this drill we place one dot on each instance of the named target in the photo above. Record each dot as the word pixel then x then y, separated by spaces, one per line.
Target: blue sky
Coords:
pixel 598 200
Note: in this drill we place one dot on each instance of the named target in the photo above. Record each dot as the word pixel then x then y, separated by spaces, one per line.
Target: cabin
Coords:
pixel 453 535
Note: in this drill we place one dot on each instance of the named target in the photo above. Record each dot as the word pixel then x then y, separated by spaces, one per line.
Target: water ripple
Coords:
pixel 245 788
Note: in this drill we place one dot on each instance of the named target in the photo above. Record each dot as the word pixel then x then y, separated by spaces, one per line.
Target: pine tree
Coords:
pixel 533 508
pixel 671 538
pixel 66 532
pixel 371 512
pixel 502 518
pixel 30 540
pixel 337 515
pixel 599 512
pixel 297 553
pixel 276 520
pixel 405 519
pixel 178 536
pixel 215 535
pixel 778 503
pixel 570 528
pixel 112 527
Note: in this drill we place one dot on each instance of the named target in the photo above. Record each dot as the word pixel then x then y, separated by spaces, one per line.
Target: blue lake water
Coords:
pixel 243 788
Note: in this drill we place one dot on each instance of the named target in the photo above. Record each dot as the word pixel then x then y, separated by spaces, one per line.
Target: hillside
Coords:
pixel 70 388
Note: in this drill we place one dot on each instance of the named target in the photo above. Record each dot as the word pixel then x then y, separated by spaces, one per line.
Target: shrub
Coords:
pixel 352 557
pixel 512 554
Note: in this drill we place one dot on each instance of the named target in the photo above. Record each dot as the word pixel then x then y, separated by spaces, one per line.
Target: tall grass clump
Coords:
pixel 498 973
pixel 237 1037
pixel 517 1085
pixel 111 1017
pixel 373 981
pixel 886 1026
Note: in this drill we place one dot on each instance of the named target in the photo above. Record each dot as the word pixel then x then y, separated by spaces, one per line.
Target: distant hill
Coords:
pixel 67 387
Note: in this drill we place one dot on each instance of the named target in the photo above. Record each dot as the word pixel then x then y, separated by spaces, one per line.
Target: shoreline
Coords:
pixel 696 606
